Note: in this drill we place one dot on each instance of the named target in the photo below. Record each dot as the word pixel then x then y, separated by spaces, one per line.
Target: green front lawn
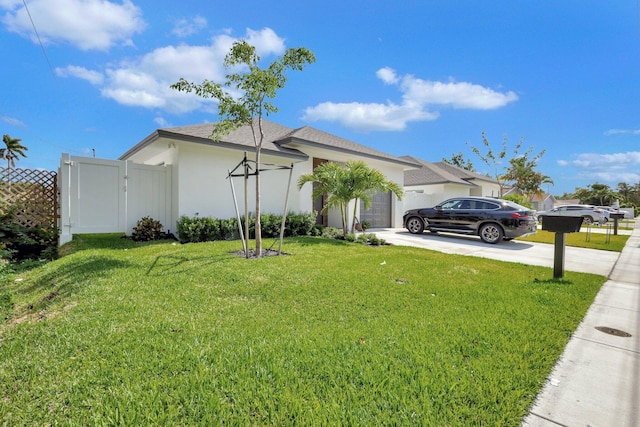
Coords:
pixel 334 333
pixel 583 239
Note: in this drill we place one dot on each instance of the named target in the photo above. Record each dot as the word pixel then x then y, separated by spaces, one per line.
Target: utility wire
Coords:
pixel 53 76
pixel 35 30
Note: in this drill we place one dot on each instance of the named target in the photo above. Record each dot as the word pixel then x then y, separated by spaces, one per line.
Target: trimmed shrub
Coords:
pixel 19 243
pixel 147 229
pixel 206 229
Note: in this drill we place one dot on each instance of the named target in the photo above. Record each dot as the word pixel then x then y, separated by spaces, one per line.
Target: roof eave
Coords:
pixel 398 161
pixel 160 133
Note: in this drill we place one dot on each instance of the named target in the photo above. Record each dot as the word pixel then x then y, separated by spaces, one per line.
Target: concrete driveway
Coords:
pixel 542 254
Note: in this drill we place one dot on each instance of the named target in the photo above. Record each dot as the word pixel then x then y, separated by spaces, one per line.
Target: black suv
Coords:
pixel 491 219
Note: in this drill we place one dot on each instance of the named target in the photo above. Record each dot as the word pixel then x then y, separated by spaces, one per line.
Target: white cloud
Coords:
pixel 609 168
pixel 188 27
pixel 418 98
pixel 93 77
pixel 13 122
pixel 457 95
pixel 622 132
pixel 387 75
pixel 161 122
pixel 368 117
pixel 601 161
pixel 266 41
pixel 86 24
pixel 145 81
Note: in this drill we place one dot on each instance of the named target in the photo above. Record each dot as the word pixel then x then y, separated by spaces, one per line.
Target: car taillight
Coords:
pixel 518 215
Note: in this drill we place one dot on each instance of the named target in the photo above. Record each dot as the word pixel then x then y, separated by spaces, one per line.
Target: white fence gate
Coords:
pixel 110 196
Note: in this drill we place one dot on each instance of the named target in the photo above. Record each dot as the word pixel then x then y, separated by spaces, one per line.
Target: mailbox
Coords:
pixel 616 216
pixel 562 224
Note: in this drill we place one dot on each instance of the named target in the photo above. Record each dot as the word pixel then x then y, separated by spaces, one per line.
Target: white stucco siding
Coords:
pixel 204 189
pixel 485 189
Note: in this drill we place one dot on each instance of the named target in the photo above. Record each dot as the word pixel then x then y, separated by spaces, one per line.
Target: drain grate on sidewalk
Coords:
pixel 613 331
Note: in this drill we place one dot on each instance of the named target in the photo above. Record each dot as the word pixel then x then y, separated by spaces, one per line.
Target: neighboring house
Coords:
pixel 200 169
pixel 434 182
pixel 540 202
pixel 543 202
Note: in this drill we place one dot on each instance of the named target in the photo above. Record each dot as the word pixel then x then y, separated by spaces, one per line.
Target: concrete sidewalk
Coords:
pixel 596 381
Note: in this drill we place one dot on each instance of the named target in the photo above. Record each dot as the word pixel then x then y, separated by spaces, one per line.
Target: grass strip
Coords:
pixel 583 239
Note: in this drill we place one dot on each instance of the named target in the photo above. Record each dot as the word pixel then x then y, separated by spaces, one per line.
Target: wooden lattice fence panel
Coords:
pixel 31 195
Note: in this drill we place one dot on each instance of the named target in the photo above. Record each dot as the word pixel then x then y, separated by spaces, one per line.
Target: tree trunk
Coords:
pixel 258 223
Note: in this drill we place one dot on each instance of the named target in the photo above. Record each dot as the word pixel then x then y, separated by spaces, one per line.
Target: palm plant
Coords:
pixel 354 181
pixel 366 181
pixel 330 179
pixel 12 150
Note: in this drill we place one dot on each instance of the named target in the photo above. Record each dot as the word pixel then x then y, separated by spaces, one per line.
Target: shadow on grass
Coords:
pixel 178 264
pixel 553 281
pixel 66 279
pixel 82 242
pixel 308 241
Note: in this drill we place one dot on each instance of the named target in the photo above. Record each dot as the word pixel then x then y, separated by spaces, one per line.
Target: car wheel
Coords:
pixel 587 219
pixel 491 233
pixel 415 225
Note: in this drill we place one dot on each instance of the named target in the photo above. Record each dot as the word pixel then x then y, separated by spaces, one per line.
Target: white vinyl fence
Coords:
pixel 414 200
pixel 110 196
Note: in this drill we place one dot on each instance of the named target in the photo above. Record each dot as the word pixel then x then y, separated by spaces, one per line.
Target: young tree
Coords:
pixel 494 160
pixel 521 166
pixel 258 87
pixel 12 151
pixel 523 175
pixel 354 181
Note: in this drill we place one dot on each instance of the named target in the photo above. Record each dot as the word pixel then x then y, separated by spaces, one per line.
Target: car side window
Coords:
pixel 486 206
pixel 452 204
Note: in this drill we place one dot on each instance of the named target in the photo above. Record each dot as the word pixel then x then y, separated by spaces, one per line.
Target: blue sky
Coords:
pixel 424 78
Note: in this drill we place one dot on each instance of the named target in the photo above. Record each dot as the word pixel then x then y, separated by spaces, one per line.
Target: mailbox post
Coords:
pixel 560 225
pixel 616 217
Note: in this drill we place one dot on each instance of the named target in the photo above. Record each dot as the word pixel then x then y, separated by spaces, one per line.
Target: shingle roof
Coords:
pixel 430 173
pixel 314 137
pixel 463 173
pixel 278 140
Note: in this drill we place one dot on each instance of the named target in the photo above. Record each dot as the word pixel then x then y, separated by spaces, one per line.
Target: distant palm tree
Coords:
pixel 12 151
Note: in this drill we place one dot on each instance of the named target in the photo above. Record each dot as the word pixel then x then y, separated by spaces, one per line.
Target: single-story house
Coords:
pixel 540 202
pixel 432 183
pixel 200 168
